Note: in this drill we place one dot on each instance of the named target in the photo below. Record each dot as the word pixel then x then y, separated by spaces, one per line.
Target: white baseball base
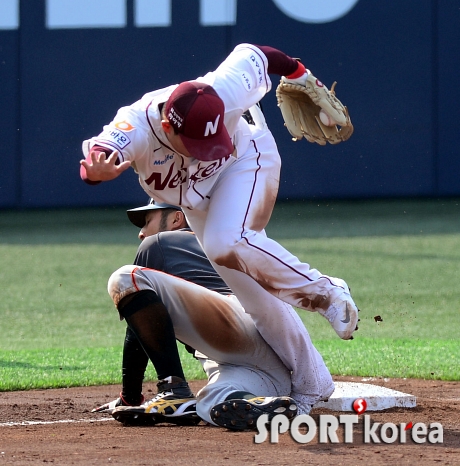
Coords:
pixel 377 398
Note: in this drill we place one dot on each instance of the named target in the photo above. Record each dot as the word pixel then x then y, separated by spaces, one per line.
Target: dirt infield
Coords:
pixel 30 433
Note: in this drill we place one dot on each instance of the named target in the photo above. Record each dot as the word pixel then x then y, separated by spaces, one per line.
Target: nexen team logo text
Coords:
pixel 327 426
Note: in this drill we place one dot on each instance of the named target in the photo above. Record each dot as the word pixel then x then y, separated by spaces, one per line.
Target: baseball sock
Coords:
pixel 150 321
pixel 133 368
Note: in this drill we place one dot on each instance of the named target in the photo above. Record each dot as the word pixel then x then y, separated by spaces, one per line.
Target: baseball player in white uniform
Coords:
pixel 191 147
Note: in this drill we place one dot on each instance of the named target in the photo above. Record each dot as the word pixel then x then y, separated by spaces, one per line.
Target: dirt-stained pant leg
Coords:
pixel 216 326
pixel 231 233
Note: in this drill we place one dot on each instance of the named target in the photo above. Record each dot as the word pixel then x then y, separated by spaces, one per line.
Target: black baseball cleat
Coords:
pixel 241 414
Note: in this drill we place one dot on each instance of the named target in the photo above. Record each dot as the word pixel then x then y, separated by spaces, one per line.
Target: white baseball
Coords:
pixel 325 118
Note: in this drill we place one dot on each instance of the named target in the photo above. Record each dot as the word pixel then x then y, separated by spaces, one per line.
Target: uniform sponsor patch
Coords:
pixel 119 138
pixel 248 81
pixel 167 158
pixel 124 126
pixel 257 65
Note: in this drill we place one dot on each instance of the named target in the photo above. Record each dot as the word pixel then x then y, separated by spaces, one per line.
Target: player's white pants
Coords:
pixel 231 229
pixel 224 379
pixel 234 355
pixel 263 274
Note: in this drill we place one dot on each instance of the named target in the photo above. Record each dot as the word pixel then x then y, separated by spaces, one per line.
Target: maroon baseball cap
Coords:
pixel 197 113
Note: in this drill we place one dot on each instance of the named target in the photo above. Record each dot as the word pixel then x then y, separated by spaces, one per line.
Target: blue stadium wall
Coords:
pixel 66 66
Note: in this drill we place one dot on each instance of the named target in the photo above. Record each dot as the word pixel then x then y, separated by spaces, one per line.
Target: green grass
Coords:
pixel 409 281
pixel 71 367
pixel 401 259
pixel 55 296
pixel 393 357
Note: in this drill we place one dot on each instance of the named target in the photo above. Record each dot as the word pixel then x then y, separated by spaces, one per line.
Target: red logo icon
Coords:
pixel 359 405
pixel 124 125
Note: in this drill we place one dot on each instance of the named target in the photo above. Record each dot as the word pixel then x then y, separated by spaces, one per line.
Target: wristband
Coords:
pixel 299 72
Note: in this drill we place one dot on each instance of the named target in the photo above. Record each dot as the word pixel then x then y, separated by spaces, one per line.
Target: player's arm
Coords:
pixel 281 64
pixel 242 79
pixel 102 164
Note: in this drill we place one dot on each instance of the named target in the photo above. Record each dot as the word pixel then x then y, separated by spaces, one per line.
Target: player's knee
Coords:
pixel 120 283
pixel 229 259
pixel 228 253
pixel 220 250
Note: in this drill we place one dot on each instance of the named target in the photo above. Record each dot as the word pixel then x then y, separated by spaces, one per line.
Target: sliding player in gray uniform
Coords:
pixel 191 147
pixel 183 297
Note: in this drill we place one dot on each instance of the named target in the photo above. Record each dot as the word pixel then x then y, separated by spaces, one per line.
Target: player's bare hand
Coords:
pixel 100 168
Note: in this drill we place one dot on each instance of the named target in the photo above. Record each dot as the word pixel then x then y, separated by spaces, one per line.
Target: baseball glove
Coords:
pixel 300 106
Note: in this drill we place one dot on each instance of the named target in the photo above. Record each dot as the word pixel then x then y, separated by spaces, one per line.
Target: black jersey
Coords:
pixel 179 253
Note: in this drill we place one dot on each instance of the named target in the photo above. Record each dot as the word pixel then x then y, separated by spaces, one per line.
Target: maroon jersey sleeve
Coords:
pixel 281 64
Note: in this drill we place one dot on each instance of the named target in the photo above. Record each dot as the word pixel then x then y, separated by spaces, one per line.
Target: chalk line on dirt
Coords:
pixel 61 421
